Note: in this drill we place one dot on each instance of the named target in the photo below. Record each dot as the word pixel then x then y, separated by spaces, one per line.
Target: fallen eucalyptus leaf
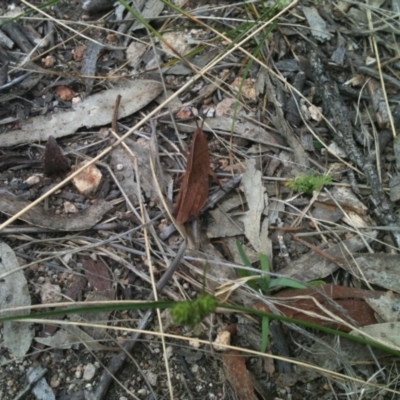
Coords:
pixel 81 221
pixel 14 292
pixel 95 110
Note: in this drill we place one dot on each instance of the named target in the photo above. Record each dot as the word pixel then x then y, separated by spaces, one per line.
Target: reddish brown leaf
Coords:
pixel 193 193
pixel 238 376
pixel 97 274
pixel 76 287
pixel 345 302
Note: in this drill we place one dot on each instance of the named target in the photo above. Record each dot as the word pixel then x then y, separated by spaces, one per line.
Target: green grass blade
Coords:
pixel 286 282
pixel 243 255
pixel 264 333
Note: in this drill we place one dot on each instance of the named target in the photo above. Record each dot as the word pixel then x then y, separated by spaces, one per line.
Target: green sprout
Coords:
pixel 265 284
pixel 309 183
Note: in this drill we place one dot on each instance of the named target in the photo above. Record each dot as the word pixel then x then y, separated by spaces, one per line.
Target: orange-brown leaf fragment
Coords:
pixel 97 274
pixel 238 376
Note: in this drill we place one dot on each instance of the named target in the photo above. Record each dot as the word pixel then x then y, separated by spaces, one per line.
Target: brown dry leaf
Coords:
pixel 238 376
pixel 348 303
pixel 97 274
pixel 81 221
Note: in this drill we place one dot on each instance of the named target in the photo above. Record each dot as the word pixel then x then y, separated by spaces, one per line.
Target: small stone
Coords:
pixel 55 382
pixel 120 167
pixel 195 368
pixel 223 338
pixel 88 180
pixel 32 180
pixel 49 61
pixel 194 343
pixel 89 372
pixel 70 208
pixel 168 352
pixel 78 372
pixel 152 378
pixel 79 53
pixel 50 293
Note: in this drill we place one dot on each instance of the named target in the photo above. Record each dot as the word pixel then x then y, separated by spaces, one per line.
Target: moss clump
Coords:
pixel 309 183
pixel 190 313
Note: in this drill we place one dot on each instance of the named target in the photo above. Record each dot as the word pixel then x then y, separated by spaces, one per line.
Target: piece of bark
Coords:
pixel 16 33
pixel 292 109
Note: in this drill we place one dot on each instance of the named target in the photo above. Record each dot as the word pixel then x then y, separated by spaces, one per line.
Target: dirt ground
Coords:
pixel 157 151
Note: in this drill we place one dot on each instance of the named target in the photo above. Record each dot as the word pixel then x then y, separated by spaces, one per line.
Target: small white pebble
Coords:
pixel 223 338
pixel 89 372
pixel 32 180
pixel 195 369
pixel 120 167
pixel 194 343
pixel 70 208
pixel 78 372
pixel 152 378
pixel 168 352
